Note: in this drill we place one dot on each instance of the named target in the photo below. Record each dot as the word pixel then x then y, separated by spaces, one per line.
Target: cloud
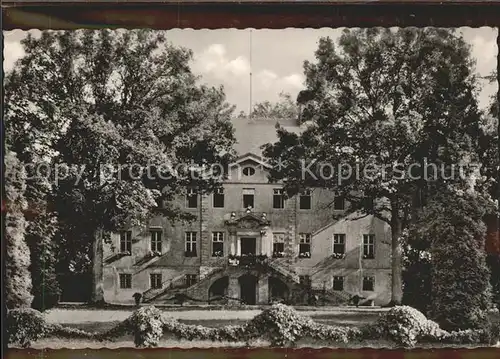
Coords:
pixel 217 66
pixel 12 52
pixel 266 78
pixel 215 62
pixel 295 80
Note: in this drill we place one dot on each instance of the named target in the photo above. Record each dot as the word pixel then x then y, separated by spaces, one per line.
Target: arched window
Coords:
pixel 248 171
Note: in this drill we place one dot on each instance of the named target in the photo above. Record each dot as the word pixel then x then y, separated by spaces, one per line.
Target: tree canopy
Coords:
pixel 123 123
pixel 380 105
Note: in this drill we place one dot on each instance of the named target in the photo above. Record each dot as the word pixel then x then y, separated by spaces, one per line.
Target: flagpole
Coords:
pixel 250 104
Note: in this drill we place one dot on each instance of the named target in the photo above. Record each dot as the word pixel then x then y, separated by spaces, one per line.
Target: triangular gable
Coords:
pixel 253 158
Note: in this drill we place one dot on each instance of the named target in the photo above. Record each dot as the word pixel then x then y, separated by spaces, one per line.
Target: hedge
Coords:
pixel 280 325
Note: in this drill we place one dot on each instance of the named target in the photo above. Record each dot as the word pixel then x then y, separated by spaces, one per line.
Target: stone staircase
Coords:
pixel 284 269
pixel 337 297
pixel 168 285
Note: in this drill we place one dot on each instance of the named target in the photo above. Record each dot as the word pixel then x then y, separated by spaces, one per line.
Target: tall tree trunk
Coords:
pixel 97 268
pixel 396 258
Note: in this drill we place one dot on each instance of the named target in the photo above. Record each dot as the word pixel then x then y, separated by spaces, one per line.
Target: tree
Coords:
pixel 490 171
pixel 285 108
pixel 121 113
pixel 454 221
pixel 378 103
pixel 17 260
pixel 41 232
pixel 417 268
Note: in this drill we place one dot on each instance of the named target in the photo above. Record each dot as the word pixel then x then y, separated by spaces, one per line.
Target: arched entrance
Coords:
pixel 278 290
pixel 218 288
pixel 248 289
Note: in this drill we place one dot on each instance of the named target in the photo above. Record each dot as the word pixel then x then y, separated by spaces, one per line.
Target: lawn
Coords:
pixel 101 320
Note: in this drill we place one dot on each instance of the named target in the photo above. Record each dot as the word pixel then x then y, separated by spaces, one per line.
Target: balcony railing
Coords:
pixel 249 260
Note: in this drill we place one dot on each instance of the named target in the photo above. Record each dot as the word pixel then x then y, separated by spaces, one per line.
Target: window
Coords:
pixel 278 245
pixel 191 198
pixel 126 242
pixel 339 245
pixel 217 244
pixel 125 281
pixel 305 200
pixel 278 198
pixel 338 203
pixel 248 171
pixel 155 280
pixel 248 197
pixel 218 200
pixel 190 244
pixel 190 279
pixel 305 245
pixel 304 280
pixel 368 284
pixel 156 240
pixel 368 246
pixel 338 283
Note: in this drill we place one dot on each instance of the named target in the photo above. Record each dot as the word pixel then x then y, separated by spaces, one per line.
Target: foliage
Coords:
pixel 283 324
pixel 147 324
pixel 40 239
pixel 129 98
pixel 41 232
pixel 493 261
pixel 372 103
pixel 416 270
pixel 285 108
pixel 280 325
pixel 24 326
pixel 405 326
pixel 453 220
pixel 17 277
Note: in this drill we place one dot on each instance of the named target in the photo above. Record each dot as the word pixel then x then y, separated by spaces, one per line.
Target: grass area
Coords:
pixel 344 315
pixel 99 321
pixel 347 319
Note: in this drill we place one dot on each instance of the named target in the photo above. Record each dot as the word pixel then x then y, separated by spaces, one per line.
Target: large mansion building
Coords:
pixel 251 244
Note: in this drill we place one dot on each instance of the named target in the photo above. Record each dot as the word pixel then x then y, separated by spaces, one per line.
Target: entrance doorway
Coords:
pixel 248 245
pixel 248 289
pixel 278 290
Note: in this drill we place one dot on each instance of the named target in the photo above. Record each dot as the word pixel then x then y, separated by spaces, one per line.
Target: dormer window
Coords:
pixel 248 171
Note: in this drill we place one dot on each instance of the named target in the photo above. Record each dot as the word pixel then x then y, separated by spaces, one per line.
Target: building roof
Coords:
pixel 252 133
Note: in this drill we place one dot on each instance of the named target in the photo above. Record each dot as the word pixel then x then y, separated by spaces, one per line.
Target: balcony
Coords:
pixel 248 260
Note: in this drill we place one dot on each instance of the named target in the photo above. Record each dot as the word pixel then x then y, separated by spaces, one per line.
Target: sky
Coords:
pixel 275 58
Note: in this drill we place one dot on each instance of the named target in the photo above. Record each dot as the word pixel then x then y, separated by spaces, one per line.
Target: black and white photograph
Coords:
pixel 252 188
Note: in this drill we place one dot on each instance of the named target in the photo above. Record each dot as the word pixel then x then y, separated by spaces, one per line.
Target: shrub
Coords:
pixel 25 325
pixel 336 334
pixel 40 234
pixel 17 260
pixel 493 261
pixel 59 331
pixel 455 221
pixel 281 325
pixel 404 325
pixel 147 325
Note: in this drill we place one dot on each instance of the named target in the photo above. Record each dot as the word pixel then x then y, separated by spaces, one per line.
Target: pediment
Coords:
pixel 248 221
pixel 251 159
